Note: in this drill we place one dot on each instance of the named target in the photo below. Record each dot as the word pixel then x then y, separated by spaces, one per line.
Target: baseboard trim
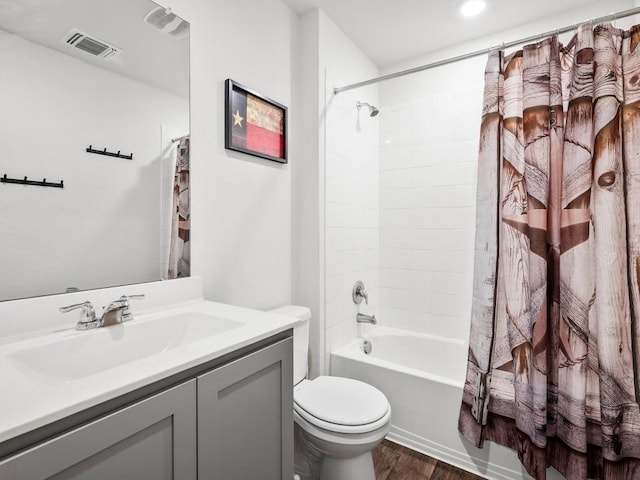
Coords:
pixel 459 459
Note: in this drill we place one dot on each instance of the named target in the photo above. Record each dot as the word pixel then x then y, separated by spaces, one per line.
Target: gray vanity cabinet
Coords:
pixel 245 417
pixel 229 419
pixel 151 439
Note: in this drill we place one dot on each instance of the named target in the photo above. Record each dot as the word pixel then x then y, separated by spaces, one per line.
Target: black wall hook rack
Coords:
pixel 24 181
pixel 109 154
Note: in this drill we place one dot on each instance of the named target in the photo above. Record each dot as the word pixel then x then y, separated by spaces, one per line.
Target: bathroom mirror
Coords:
pixel 88 74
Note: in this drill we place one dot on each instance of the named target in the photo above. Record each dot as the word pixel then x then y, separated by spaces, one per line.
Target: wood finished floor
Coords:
pixel 395 462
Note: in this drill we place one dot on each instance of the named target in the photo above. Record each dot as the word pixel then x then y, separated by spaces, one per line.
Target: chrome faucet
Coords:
pixel 117 311
pixel 87 315
pixel 113 313
pixel 362 318
pixel 358 293
pixel 126 313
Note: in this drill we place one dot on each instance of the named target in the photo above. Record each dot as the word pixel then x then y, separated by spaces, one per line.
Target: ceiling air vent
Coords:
pixel 91 45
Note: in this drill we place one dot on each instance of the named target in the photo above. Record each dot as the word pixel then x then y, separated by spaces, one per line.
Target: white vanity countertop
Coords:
pixel 34 397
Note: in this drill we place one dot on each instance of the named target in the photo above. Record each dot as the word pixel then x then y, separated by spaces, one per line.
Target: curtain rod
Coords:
pixel 477 53
pixel 177 139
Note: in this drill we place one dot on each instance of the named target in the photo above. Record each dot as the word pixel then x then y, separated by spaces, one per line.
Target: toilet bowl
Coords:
pixel 342 420
pixel 338 420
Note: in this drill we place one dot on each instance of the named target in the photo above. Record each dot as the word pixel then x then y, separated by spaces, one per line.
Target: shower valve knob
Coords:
pixel 358 293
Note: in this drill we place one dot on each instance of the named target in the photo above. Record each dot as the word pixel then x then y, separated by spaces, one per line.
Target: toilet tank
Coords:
pixel 300 338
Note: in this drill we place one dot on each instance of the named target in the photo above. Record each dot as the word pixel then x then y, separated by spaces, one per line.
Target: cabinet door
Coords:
pixel 245 417
pixel 153 439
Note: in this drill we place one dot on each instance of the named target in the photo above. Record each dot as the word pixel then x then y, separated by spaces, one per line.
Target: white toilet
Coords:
pixel 338 420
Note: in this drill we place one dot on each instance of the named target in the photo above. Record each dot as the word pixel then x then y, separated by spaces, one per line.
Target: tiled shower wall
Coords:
pixel 429 128
pixel 400 203
pixel 351 215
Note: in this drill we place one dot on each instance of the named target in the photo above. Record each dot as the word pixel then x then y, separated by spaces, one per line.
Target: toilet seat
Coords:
pixel 341 405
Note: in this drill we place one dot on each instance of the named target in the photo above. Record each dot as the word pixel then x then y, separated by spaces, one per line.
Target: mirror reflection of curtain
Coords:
pixel 180 248
pixel 554 355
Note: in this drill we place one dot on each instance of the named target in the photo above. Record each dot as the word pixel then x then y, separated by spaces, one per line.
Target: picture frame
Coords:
pixel 254 124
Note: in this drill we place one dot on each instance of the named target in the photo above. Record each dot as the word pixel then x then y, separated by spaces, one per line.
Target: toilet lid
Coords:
pixel 341 401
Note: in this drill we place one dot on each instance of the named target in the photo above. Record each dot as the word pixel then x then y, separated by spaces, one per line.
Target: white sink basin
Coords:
pixel 89 352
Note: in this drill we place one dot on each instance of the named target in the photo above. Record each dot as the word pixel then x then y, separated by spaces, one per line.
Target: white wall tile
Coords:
pixel 386 179
pixel 421 301
pixel 422 117
pixel 422 323
pixel 432 153
pixel 402 259
pixel 443 282
pixel 443 326
pixel 402 178
pixel 334 239
pixel 334 288
pixel 422 217
pixel 395 238
pixel 443 196
pixel 401 279
pixel 334 337
pixel 398 318
pixel 443 218
pixel 401 298
pixel 464 218
pixel 422 197
pixel 335 190
pixel 427 206
pixel 333 165
pixel 396 123
pixel 397 198
pixel 336 311
pixel 386 257
pixel 421 176
pixel 335 263
pixel 335 141
pixel 385 297
pixel 464 196
pixel 394 158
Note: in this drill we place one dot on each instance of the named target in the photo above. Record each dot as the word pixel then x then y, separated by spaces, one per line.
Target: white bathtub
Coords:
pixel 422 376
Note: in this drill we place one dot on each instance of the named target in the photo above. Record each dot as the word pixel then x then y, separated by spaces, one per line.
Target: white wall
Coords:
pixel 241 205
pixel 351 186
pixel 104 227
pixel 308 189
pixel 335 215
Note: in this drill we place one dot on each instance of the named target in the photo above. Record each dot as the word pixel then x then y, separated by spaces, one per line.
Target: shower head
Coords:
pixel 373 111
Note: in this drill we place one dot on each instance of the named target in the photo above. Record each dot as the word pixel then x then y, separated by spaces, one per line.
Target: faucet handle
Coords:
pixel 87 315
pixel 359 292
pixel 139 296
pixel 126 311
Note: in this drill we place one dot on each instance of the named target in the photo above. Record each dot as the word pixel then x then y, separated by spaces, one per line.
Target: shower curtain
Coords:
pixel 554 348
pixel 179 249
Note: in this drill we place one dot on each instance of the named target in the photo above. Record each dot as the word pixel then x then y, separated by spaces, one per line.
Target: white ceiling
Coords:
pixel 149 56
pixel 390 31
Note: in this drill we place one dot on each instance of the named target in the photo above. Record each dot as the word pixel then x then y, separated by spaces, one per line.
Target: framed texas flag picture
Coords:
pixel 255 124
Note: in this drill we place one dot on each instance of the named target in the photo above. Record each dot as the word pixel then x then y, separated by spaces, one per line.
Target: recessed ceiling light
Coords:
pixel 469 8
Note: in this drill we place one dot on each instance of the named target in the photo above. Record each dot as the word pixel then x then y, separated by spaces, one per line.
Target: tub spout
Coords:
pixel 362 318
